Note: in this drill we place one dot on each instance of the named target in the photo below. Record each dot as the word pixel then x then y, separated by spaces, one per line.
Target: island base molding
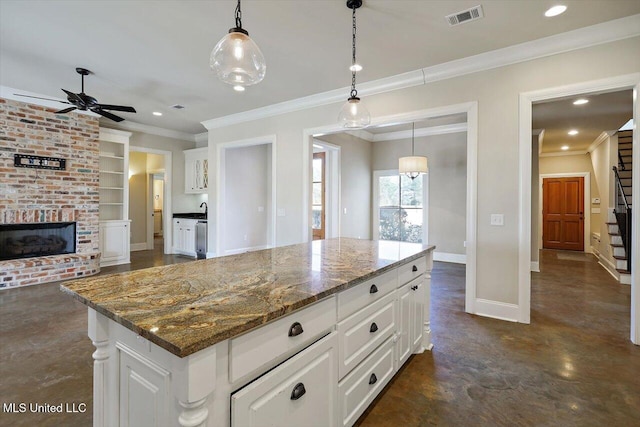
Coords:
pixel 341 351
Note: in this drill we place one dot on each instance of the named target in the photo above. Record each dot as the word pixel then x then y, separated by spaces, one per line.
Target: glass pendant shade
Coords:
pixel 354 114
pixel 237 60
pixel 413 166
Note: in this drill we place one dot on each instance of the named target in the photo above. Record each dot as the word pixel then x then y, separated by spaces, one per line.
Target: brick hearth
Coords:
pixel 41 195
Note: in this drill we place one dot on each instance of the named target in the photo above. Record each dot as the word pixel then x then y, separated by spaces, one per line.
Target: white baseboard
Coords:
pixel 607 265
pixel 447 257
pixel 535 266
pixel 211 255
pixel 138 247
pixel 497 310
pixel 243 250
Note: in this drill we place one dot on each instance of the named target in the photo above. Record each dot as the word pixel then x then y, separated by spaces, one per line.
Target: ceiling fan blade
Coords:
pixel 107 115
pixel 117 108
pixel 74 96
pixel 66 110
pixel 37 97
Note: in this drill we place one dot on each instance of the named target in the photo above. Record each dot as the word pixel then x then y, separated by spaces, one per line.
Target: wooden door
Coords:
pixel 318 205
pixel 563 213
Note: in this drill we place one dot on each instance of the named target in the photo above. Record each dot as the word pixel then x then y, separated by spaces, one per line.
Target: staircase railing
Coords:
pixel 621 162
pixel 622 212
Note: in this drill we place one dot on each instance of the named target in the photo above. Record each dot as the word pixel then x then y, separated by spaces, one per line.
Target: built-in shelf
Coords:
pixel 111 156
pixel 110 188
pixel 112 204
pixel 112 172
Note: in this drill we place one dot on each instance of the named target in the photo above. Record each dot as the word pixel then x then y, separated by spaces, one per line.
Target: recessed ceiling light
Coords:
pixel 573 132
pixel 157 113
pixel 555 10
pixel 580 101
pixel 238 88
pixel 355 67
pixel 565 147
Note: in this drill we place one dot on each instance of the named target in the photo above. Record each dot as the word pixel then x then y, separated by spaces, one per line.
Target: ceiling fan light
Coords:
pixel 354 115
pixel 237 59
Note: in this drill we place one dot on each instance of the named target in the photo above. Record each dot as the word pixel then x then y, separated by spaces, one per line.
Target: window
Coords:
pixel 400 207
pixel 318 202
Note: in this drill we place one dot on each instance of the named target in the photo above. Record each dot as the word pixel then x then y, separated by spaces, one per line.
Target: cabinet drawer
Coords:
pixel 411 270
pixel 358 389
pixel 361 333
pixel 366 293
pixel 267 345
pixel 300 392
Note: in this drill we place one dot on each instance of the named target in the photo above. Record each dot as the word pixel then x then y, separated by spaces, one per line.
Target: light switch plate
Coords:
pixel 282 212
pixel 497 219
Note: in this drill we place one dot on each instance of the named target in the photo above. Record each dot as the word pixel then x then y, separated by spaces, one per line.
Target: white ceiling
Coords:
pixel 152 54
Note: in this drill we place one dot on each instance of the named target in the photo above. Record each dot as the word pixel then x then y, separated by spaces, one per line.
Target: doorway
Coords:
pixel 318 202
pixel 563 213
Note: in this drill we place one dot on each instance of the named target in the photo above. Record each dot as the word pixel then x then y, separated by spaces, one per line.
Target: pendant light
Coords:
pixel 354 115
pixel 236 59
pixel 413 166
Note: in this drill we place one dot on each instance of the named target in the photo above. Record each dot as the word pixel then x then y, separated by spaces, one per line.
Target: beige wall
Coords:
pixel 355 184
pixel 497 93
pixel 447 156
pixel 535 199
pixel 138 196
pixel 603 158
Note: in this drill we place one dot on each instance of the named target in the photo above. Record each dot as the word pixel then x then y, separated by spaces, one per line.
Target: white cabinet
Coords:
pixel 114 242
pixel 196 170
pixel 412 302
pixel 184 236
pixel 299 392
pixel 114 197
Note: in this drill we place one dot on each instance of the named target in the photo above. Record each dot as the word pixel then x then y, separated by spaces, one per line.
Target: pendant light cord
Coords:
pixel 238 16
pixel 413 143
pixel 354 92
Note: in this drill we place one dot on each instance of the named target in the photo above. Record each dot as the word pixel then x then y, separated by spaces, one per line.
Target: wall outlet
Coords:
pixel 344 211
pixel 282 212
pixel 246 238
pixel 260 208
pixel 497 219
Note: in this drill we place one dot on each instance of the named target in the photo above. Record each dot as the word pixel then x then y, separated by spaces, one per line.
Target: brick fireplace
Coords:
pixel 39 196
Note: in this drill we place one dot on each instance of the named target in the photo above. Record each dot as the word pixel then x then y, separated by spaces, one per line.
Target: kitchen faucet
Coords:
pixel 206 208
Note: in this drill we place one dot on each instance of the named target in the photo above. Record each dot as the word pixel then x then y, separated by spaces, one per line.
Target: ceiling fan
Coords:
pixel 82 101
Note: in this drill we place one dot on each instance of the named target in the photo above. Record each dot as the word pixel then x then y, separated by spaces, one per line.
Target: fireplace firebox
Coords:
pixel 37 239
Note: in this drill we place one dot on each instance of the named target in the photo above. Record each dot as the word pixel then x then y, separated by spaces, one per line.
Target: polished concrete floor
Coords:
pixel 573 366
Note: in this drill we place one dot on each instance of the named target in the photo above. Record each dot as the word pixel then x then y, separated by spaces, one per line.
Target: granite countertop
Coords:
pixel 187 307
pixel 190 215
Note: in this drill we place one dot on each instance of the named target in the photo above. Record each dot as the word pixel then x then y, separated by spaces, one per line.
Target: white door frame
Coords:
pixel 376 202
pixel 167 212
pixel 468 108
pixel 333 187
pixel 629 81
pixel 586 207
pixel 221 188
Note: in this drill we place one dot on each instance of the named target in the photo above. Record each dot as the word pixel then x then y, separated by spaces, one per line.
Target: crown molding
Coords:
pixel 430 131
pixel 593 35
pixel 202 137
pixel 362 134
pixel 600 139
pixel 154 130
pixel 563 153
pixel 540 141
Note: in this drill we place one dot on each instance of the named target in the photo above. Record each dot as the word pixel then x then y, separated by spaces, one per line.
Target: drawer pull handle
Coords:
pixel 295 330
pixel 373 289
pixel 373 327
pixel 373 379
pixel 414 269
pixel 298 391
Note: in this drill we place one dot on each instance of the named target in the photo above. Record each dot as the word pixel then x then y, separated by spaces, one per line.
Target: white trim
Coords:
pixel 114 135
pixel 586 208
pixel 202 138
pixel 448 257
pixel 605 32
pixel 138 247
pixel 524 188
pixel 563 153
pixel 497 310
pixel 243 250
pixel 221 191
pixel 333 177
pixel 155 130
pixel 600 139
pixel 429 131
pixel 609 267
pixel 471 110
pixel 167 209
pixel 535 266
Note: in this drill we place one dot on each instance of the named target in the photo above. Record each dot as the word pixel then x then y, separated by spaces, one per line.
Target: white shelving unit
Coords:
pixel 114 197
pixel 196 171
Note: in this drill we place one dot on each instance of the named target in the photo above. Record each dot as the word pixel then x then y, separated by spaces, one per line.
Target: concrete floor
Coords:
pixel 573 366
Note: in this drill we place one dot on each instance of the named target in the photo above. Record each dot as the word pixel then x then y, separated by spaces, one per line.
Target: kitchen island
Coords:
pixel 305 334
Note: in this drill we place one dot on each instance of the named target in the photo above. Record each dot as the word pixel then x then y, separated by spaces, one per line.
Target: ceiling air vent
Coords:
pixel 465 16
pixel 177 106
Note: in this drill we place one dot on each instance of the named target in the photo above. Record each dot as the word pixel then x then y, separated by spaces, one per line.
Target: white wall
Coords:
pixel 355 184
pixel 447 156
pixel 603 158
pixel 248 187
pixel 497 92
pixel 138 197
pixel 535 199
